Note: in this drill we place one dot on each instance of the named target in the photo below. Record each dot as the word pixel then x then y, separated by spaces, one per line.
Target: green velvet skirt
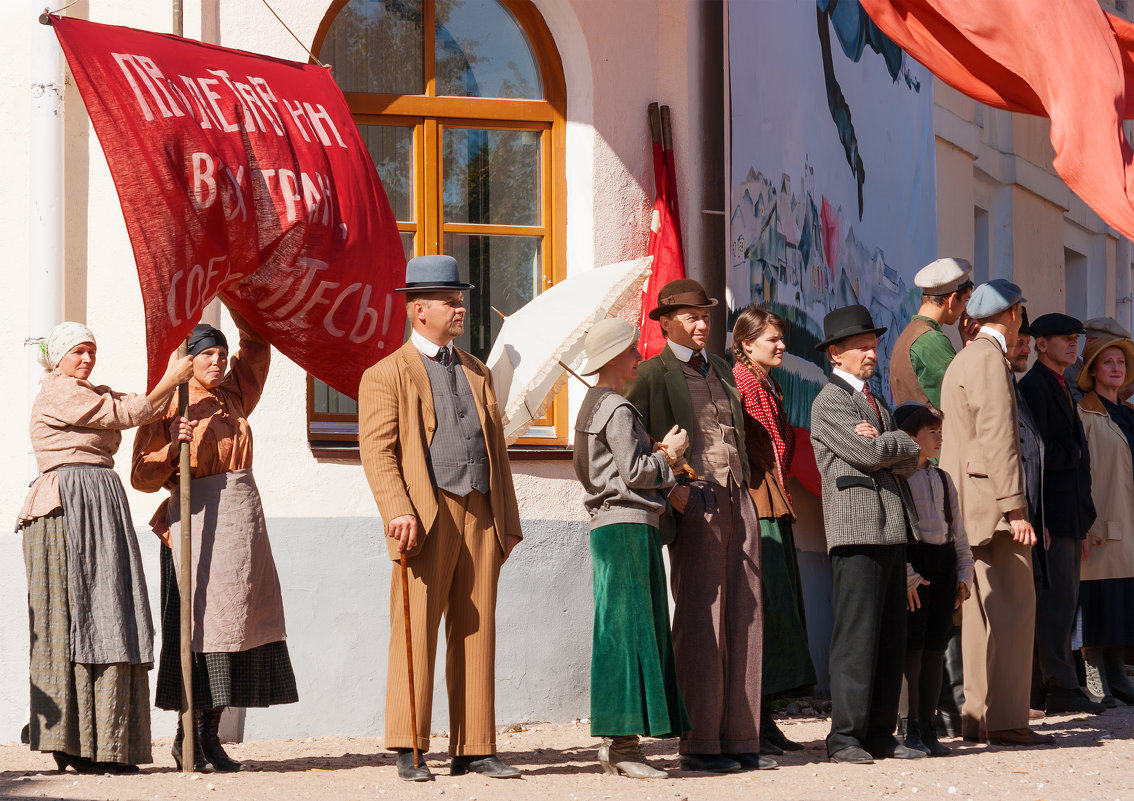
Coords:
pixel 788 669
pixel 633 676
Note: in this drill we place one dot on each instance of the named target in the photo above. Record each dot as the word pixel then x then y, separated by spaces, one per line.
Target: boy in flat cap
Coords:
pixel 718 620
pixel 1068 510
pixel 432 446
pixel 922 352
pixel 981 453
pixel 869 516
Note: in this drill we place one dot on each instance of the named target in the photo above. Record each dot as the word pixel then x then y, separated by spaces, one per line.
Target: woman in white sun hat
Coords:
pixel 626 478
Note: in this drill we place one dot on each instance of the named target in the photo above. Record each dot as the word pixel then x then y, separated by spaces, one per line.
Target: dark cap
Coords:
pixel 680 293
pixel 846 322
pixel 1056 323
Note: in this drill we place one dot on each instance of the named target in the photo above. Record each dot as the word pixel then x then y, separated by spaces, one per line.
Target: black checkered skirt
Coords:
pixel 259 677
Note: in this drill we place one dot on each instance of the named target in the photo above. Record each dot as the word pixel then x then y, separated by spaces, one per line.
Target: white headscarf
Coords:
pixel 62 338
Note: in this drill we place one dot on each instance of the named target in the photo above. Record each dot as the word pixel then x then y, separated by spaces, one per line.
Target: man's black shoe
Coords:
pixel 753 761
pixel 407 771
pixel 1071 701
pixel 489 766
pixel 853 755
pixel 709 763
pixel 899 751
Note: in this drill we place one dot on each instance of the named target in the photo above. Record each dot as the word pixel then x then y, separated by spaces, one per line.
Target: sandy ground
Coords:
pixel 1094 761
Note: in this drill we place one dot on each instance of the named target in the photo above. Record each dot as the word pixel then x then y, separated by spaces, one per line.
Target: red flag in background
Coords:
pixel 1069 61
pixel 244 176
pixel 665 231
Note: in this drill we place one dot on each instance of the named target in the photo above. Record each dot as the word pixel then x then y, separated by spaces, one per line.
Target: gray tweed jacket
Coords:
pixel 866 500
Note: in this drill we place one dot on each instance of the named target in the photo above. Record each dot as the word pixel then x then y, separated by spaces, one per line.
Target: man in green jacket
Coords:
pixel 718 618
pixel 923 351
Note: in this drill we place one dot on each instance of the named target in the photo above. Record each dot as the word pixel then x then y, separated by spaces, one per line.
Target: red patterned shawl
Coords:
pixel 763 400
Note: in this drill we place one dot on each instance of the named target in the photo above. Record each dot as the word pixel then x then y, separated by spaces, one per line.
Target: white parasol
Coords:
pixel 539 343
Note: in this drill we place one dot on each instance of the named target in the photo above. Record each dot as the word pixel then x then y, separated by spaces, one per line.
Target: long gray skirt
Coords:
pixel 101 712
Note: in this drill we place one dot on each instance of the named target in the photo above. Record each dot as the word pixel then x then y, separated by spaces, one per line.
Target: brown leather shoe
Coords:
pixel 1024 736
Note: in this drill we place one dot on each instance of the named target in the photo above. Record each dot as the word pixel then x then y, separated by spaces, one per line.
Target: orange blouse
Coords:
pixel 222 439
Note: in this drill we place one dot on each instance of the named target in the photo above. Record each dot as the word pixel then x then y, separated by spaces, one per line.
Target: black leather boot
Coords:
pixel 211 744
pixel 199 763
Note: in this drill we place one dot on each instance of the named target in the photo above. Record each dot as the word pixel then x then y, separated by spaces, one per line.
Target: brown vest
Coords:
pixel 713 445
pixel 904 385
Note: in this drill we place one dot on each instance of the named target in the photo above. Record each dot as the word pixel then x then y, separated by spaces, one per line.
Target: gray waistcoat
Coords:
pixel 713 451
pixel 458 457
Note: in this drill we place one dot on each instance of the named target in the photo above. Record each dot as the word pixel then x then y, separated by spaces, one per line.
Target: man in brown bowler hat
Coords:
pixel 714 543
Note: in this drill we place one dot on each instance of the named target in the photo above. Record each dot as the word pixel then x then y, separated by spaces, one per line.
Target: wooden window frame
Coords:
pixel 428 114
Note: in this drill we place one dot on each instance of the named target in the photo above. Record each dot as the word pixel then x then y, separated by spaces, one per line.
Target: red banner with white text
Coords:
pixel 243 176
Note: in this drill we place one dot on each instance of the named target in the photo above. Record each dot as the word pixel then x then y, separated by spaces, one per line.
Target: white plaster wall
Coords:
pixel 617 58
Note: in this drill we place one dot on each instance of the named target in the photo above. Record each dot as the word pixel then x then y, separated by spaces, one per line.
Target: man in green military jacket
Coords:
pixel 923 351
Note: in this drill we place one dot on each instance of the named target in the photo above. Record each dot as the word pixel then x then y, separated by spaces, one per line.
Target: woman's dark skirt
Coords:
pixel 259 677
pixel 788 669
pixel 633 675
pixel 1108 612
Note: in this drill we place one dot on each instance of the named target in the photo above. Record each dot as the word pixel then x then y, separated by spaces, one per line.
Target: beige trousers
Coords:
pixel 453 575
pixel 997 635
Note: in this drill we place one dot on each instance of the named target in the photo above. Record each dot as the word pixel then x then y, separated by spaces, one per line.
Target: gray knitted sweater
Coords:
pixel 622 476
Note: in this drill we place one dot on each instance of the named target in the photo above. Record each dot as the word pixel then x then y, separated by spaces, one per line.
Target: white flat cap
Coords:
pixel 1099 327
pixel 943 276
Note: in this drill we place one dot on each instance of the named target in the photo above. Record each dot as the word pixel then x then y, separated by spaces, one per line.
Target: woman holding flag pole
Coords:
pixel 89 613
pixel 240 655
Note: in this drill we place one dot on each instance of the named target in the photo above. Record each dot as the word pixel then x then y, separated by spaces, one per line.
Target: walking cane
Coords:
pixel 188 730
pixel 409 657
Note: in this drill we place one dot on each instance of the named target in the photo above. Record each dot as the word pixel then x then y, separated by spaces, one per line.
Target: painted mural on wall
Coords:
pixel 832 175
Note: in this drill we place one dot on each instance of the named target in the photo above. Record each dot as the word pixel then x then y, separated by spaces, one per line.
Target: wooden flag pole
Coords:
pixel 188 729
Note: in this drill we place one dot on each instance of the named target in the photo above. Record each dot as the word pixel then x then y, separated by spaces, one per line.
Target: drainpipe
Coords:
pixel 45 194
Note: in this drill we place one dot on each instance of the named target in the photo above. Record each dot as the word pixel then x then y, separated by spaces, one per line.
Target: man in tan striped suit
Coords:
pixel 433 449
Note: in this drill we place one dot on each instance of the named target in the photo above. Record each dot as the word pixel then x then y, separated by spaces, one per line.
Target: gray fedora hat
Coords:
pixel 433 273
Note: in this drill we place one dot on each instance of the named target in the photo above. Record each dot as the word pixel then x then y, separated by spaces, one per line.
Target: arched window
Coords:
pixel 462 106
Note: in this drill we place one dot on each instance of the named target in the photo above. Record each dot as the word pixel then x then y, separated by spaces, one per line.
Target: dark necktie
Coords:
pixel 698 363
pixel 443 356
pixel 870 399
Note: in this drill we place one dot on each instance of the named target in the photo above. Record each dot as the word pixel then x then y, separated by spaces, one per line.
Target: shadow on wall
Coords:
pixel 335 574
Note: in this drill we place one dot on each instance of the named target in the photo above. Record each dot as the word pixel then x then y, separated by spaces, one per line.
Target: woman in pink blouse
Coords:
pixel 91 632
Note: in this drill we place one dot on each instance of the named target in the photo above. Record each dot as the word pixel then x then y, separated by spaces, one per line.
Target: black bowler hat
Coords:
pixel 432 274
pixel 849 321
pixel 1054 324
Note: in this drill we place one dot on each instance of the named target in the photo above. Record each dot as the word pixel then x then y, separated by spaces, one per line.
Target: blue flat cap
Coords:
pixel 433 273
pixel 1054 324
pixel 993 297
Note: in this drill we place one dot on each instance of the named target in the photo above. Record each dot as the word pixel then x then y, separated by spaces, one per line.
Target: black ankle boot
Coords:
pixel 199 763
pixel 211 744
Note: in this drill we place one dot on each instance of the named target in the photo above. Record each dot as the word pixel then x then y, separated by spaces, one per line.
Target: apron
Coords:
pixel 237 603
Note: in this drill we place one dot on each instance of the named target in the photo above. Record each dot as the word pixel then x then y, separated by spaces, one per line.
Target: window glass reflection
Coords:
pixel 376 46
pixel 482 52
pixel 491 177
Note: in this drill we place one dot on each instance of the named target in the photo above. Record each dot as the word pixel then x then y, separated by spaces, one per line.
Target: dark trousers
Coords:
pixel 1055 616
pixel 868 645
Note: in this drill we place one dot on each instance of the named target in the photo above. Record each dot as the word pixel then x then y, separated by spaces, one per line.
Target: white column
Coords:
pixel 45 192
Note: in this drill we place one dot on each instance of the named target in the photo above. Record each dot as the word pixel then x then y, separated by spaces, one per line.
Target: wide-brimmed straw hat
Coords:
pixel 1085 380
pixel 606 339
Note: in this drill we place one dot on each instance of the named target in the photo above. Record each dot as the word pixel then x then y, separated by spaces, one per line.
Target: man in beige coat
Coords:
pixel 981 452
pixel 432 446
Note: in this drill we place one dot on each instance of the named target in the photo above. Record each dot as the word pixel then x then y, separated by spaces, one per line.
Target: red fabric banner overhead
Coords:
pixel 664 245
pixel 1069 61
pixel 243 176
